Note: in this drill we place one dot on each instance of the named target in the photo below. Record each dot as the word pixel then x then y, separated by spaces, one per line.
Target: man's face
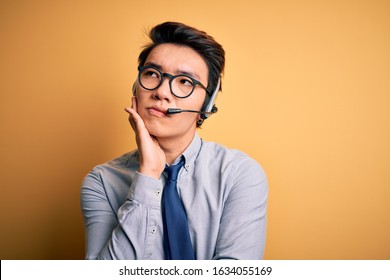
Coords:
pixel 153 104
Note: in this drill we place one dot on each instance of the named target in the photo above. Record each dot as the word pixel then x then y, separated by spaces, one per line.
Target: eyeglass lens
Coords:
pixel 181 85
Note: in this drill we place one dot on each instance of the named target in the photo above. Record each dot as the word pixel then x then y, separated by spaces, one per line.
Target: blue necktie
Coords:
pixel 177 241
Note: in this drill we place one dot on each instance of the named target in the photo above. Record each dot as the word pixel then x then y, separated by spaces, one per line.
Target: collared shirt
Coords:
pixel 224 193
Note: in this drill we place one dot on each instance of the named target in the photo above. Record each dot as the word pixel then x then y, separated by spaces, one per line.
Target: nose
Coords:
pixel 163 92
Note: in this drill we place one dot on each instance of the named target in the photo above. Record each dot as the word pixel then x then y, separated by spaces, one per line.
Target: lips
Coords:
pixel 157 111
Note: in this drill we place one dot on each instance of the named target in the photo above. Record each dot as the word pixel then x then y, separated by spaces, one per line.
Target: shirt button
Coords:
pixel 187 166
pixel 158 192
pixel 153 230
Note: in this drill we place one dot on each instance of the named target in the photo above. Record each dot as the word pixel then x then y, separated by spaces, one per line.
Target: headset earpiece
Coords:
pixel 210 106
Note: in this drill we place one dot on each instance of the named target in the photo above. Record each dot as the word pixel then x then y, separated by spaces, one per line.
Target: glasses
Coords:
pixel 181 85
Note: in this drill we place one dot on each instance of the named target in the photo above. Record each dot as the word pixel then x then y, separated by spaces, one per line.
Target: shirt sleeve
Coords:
pixel 127 233
pixel 242 232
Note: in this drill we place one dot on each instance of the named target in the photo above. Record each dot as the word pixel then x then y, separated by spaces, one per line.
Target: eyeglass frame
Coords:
pixel 171 78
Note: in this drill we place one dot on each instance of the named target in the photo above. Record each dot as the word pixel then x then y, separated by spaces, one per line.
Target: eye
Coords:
pixel 151 73
pixel 185 81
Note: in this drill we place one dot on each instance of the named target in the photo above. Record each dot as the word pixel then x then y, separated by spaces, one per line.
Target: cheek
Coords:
pixel 194 103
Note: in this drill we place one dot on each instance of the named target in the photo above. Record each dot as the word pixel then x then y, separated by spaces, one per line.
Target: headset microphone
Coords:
pixel 209 108
pixel 171 111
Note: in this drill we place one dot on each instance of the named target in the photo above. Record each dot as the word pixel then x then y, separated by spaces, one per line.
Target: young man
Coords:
pixel 213 205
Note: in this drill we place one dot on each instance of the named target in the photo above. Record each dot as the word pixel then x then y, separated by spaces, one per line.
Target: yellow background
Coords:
pixel 306 93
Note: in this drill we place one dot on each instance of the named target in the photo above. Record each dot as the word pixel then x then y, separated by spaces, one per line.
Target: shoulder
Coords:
pixel 233 164
pixel 221 154
pixel 238 171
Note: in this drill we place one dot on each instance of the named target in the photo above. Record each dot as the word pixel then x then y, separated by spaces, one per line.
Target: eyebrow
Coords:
pixel 189 73
pixel 153 65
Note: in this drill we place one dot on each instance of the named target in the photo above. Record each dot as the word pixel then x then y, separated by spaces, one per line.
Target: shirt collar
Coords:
pixel 192 151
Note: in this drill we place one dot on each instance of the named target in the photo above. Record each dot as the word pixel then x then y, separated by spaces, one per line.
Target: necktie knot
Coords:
pixel 173 170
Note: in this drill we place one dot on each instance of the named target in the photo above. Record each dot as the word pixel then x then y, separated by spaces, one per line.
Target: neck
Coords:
pixel 174 147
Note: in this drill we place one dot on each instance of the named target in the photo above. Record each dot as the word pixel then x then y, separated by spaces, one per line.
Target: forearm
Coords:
pixel 128 232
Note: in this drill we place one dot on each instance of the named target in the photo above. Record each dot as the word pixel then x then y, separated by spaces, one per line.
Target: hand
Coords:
pixel 152 157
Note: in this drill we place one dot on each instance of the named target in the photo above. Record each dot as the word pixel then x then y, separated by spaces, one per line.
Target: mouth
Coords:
pixel 157 111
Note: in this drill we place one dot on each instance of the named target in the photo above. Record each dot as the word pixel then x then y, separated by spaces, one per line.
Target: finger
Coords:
pixel 133 111
pixel 131 121
pixel 133 117
pixel 136 121
pixel 134 103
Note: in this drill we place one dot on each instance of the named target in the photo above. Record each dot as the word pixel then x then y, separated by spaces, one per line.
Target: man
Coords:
pixel 135 208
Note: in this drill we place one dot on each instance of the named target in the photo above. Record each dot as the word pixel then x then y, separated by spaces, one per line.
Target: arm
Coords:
pixel 123 234
pixel 126 233
pixel 243 223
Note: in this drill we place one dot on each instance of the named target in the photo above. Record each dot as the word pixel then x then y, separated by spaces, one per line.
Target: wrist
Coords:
pixel 150 173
